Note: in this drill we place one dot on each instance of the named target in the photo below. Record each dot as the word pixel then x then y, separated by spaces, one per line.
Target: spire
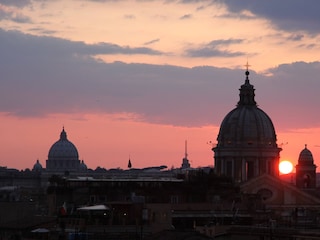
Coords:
pixel 247 73
pixel 186 149
pixel 63 135
pixel 129 163
pixel 247 92
pixel 185 161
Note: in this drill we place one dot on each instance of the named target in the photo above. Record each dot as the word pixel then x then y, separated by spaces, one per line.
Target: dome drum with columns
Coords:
pixel 246 146
pixel 63 156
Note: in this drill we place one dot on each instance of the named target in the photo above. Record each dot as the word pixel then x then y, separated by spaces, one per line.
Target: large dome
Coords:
pixel 247 125
pixel 247 143
pixel 63 156
pixel 63 148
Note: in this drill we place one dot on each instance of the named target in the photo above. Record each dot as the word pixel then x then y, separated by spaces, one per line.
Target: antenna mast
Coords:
pixel 185 149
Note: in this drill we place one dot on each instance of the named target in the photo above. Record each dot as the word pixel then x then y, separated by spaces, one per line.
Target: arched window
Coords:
pixel 306 180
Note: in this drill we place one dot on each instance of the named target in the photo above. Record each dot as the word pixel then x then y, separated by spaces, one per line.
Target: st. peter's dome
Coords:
pixel 63 156
pixel 63 148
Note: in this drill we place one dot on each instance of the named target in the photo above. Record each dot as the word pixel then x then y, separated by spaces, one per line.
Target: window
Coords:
pixel 174 199
pixel 250 170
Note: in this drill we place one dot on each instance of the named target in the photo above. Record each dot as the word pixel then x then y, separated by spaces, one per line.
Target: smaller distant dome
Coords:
pixel 37 167
pixel 83 166
pixel 305 156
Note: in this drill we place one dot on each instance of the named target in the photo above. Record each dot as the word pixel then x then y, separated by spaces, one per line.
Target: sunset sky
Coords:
pixel 138 78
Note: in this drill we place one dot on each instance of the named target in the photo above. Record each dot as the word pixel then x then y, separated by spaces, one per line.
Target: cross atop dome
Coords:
pixel 247 65
pixel 63 134
pixel 247 92
pixel 247 71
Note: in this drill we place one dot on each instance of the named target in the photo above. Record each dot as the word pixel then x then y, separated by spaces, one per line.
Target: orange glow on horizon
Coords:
pixel 104 140
pixel 107 140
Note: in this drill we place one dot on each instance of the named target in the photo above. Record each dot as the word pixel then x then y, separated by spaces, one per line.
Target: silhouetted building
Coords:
pixel 247 144
pixel 185 161
pixel 305 170
pixel 63 156
pixel 37 167
pixel 125 202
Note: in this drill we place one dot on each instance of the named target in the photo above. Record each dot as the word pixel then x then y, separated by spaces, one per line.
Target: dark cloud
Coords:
pixel 296 37
pixel 65 48
pixel 215 49
pixel 207 52
pixel 20 18
pixel 186 16
pixel 201 8
pixel 308 46
pixel 42 31
pixel 152 41
pixel 225 42
pixel 108 48
pixel 10 14
pixel 129 16
pixel 290 15
pixel 15 3
pixel 291 94
pixel 42 75
pixel 104 1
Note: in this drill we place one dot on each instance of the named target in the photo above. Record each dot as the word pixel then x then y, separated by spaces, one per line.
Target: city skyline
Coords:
pixel 138 78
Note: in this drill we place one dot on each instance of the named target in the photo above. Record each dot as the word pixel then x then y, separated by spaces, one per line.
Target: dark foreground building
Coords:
pixel 141 206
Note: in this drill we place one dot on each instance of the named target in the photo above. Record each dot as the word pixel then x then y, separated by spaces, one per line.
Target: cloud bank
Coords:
pixel 289 15
pixel 45 75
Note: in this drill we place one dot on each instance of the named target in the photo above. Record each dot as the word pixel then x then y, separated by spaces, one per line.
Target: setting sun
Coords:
pixel 285 167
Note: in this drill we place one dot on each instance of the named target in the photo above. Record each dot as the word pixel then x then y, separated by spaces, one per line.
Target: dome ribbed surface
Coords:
pixel 305 156
pixel 83 166
pixel 247 126
pixel 247 144
pixel 37 166
pixel 63 148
